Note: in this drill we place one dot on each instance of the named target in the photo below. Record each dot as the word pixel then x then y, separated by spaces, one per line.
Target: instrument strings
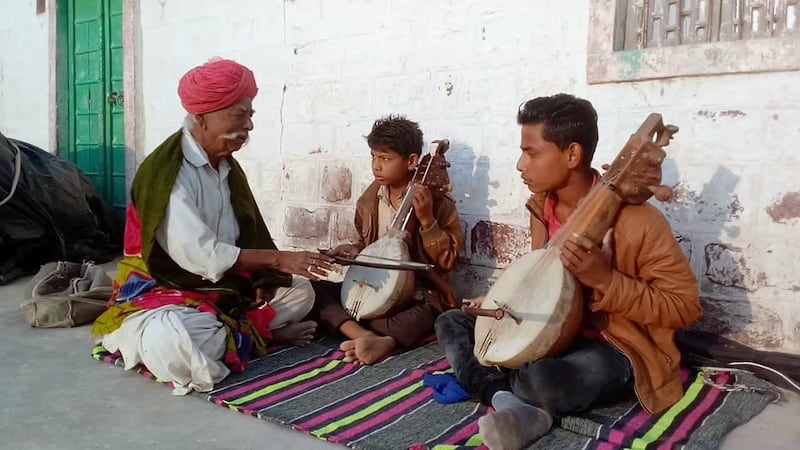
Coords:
pixel 409 192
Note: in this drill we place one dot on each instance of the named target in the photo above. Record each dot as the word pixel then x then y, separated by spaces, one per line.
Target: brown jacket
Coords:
pixel 653 293
pixel 440 245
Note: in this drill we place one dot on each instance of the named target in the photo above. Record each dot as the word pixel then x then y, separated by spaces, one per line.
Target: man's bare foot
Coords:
pixel 368 349
pixel 301 333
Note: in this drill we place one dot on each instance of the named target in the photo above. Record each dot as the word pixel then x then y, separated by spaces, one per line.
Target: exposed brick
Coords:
pixel 749 324
pixel 498 242
pixel 306 224
pixel 345 229
pixel 785 210
pixel 337 183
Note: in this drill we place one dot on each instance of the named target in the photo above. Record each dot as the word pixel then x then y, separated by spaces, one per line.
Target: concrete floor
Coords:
pixel 54 396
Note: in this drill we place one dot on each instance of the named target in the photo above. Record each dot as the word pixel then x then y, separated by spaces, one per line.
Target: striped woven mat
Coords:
pixel 386 406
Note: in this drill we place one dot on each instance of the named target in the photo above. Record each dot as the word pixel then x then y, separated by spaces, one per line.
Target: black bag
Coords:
pixel 703 349
pixel 49 211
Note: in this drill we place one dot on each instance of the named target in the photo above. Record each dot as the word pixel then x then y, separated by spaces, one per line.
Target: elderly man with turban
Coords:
pixel 202 287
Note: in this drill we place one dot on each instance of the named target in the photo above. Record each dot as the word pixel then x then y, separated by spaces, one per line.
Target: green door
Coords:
pixel 96 136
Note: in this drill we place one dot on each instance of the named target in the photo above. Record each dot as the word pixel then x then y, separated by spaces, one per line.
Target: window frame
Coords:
pixel 605 65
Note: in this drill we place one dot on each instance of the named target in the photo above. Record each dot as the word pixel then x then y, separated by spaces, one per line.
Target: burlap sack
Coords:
pixel 66 294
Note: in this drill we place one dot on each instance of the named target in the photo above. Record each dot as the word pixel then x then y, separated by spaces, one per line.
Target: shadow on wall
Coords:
pixel 471 182
pixel 703 222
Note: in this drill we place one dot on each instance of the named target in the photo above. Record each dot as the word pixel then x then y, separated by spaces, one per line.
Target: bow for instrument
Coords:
pixel 535 308
pixel 373 292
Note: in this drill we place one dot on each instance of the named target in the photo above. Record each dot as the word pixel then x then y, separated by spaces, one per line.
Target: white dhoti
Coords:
pixel 292 303
pixel 175 343
pixel 185 346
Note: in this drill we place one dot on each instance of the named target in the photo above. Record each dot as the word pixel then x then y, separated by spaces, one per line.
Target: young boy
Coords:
pixel 643 290
pixel 396 144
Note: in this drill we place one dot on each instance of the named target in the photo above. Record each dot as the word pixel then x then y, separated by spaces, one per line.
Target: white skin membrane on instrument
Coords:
pixel 365 289
pixel 542 302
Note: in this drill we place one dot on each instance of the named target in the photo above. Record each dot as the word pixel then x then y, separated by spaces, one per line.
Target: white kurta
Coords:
pixel 200 202
pixel 199 233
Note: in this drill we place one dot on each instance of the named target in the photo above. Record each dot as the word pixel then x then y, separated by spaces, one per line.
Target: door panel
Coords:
pixel 87 90
pixel 115 119
pixel 96 141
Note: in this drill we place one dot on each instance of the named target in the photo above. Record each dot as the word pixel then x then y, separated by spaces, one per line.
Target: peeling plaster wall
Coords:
pixel 24 73
pixel 461 68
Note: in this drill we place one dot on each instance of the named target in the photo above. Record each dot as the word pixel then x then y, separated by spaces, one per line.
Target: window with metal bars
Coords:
pixel 662 23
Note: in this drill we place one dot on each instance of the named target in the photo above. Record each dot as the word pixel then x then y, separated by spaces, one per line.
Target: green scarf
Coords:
pixel 150 194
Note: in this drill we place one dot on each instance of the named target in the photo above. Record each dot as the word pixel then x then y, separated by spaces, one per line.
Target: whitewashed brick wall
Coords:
pixel 461 68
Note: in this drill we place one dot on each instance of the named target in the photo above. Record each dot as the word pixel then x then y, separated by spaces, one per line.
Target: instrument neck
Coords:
pixel 405 211
pixel 592 218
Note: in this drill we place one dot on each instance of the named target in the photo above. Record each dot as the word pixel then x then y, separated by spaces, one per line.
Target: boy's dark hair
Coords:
pixel 566 119
pixel 396 133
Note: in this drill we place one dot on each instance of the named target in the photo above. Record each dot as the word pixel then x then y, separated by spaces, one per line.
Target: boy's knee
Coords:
pixel 443 323
pixel 454 318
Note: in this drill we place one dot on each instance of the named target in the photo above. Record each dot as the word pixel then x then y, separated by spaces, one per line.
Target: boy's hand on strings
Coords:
pixel 423 205
pixel 591 264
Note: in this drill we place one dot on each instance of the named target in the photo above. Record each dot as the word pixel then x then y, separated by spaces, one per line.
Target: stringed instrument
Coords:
pixel 535 308
pixel 373 292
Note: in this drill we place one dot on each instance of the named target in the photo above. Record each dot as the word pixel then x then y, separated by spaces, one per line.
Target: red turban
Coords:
pixel 216 85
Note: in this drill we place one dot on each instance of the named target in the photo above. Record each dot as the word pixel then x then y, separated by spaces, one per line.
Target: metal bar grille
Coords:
pixel 663 23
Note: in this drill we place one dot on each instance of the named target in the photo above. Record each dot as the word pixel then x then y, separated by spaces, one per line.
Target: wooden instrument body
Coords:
pixel 371 293
pixel 537 304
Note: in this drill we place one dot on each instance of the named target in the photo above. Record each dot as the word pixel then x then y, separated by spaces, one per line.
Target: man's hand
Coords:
pixel 306 264
pixel 345 251
pixel 423 205
pixel 590 264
